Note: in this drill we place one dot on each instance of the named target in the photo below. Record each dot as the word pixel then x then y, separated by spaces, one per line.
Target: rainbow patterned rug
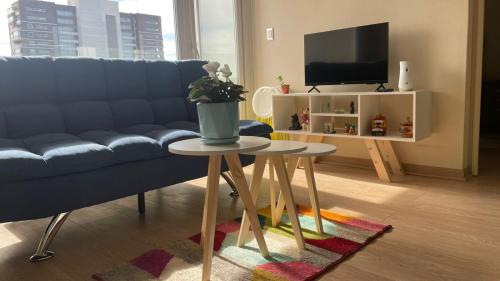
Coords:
pixel 182 260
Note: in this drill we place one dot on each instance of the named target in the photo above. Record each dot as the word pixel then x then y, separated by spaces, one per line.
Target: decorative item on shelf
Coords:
pixel 325 108
pixel 285 88
pixel 305 119
pixel 217 104
pixel 379 125
pixel 406 128
pixel 328 128
pixel 339 110
pixel 352 107
pixel 295 123
pixel 405 79
pixel 350 129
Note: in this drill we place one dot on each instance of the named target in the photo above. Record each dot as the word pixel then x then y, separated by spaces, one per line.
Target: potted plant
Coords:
pixel 217 104
pixel 285 88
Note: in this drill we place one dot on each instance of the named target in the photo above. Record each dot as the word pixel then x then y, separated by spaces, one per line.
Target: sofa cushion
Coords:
pixel 254 128
pixel 167 136
pixel 77 117
pixel 126 79
pixel 183 125
pixel 3 128
pixel 164 79
pixel 33 119
pixel 141 129
pixel 66 153
pixel 131 112
pixel 80 79
pixel 26 80
pixel 125 147
pixel 247 127
pixel 18 163
pixel 191 70
pixel 169 109
pixel 163 136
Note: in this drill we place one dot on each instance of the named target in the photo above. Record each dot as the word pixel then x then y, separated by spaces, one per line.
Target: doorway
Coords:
pixel 489 141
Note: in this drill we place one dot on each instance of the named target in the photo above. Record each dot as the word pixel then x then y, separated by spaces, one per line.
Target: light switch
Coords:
pixel 270 34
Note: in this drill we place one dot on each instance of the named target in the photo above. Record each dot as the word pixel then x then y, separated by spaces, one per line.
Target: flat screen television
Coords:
pixel 357 55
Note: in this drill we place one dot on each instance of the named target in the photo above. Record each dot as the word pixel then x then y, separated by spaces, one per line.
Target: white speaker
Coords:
pixel 405 79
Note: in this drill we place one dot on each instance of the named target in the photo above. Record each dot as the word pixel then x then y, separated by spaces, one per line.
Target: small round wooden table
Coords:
pixel 195 147
pixel 275 153
pixel 306 156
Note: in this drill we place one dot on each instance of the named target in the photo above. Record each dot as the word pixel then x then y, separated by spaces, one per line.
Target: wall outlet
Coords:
pixel 270 34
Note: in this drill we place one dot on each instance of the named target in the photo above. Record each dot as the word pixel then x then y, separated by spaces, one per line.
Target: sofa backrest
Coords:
pixel 40 95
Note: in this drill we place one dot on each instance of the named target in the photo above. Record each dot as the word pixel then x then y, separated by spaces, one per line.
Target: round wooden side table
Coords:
pixel 306 156
pixel 275 153
pixel 246 144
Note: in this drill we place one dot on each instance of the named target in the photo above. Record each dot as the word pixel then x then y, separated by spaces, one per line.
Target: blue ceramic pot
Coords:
pixel 219 122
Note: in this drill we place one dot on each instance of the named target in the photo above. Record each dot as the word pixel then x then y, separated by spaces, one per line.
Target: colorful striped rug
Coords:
pixel 181 260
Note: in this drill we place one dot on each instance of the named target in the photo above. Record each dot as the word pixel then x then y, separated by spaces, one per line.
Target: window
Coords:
pixel 82 32
pixel 125 20
pixel 62 13
pixel 34 18
pixel 65 21
pixel 217 32
pixel 66 28
pixel 127 34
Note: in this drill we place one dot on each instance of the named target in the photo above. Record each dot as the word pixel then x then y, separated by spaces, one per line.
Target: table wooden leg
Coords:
pixel 234 163
pixel 209 214
pixel 272 189
pixel 378 160
pixel 392 157
pixel 291 167
pixel 286 190
pixel 258 172
pixel 313 193
pixel 320 139
pixel 303 138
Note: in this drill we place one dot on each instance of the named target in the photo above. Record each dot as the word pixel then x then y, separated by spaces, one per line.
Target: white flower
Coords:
pixel 226 71
pixel 211 68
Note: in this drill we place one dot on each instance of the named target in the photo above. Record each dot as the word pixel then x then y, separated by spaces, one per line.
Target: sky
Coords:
pixel 163 8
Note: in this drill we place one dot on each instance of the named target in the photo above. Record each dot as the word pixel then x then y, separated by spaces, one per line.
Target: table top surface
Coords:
pixel 280 147
pixel 316 149
pixel 196 147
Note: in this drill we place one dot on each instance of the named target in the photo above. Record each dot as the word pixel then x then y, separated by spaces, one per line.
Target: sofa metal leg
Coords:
pixel 141 203
pixel 43 253
pixel 229 179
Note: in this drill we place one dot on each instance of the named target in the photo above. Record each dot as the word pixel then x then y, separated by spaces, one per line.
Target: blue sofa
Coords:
pixel 75 132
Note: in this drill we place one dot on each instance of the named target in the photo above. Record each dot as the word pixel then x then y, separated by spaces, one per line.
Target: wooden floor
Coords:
pixel 443 230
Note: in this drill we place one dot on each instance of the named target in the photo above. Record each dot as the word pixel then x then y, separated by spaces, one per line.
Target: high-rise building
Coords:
pixel 93 28
pixel 67 30
pixel 149 36
pixel 42 28
pixel 98 27
pixel 141 36
pixel 129 35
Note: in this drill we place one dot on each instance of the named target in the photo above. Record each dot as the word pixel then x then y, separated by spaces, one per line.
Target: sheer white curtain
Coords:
pixel 185 27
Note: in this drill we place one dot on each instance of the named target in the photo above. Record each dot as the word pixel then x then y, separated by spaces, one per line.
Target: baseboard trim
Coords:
pixel 411 169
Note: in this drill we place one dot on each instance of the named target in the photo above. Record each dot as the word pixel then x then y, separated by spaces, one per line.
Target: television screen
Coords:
pixel 357 55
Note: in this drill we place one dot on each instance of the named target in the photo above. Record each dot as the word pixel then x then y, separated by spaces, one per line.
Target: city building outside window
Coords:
pixel 132 29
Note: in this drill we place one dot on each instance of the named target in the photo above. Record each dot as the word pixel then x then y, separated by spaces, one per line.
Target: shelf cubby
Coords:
pixel 319 104
pixel 284 106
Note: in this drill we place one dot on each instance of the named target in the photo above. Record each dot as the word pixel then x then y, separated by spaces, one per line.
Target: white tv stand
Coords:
pixel 396 106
